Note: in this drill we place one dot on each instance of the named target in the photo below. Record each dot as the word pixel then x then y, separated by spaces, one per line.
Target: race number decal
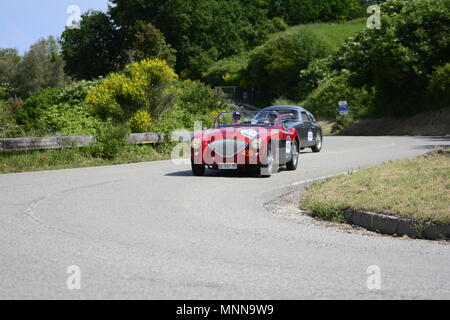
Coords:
pixel 310 136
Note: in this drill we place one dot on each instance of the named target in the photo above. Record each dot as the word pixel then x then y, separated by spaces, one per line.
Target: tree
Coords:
pixel 9 64
pixel 149 42
pixel 275 67
pixel 41 67
pixel 93 49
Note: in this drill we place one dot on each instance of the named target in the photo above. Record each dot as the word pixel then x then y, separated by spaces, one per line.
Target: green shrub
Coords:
pixel 278 24
pixel 318 71
pixel 228 71
pixel 110 140
pixel 275 67
pixel 8 125
pixel 399 58
pixel 439 87
pixel 324 100
pixel 59 111
pixel 66 119
pixel 35 106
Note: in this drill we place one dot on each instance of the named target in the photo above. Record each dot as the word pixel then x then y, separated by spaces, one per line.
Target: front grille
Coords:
pixel 227 148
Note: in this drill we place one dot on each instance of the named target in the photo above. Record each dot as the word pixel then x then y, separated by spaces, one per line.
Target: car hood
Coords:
pixel 245 133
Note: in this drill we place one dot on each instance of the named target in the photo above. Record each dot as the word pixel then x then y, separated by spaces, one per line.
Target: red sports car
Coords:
pixel 252 140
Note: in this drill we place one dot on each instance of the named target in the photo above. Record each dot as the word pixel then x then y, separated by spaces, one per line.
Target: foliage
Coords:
pixel 110 140
pixel 228 71
pixel 399 58
pixel 149 42
pixel 324 100
pixel 94 49
pixel 9 64
pixel 41 67
pixel 195 102
pixel 140 122
pixel 143 85
pixel 59 111
pixel 439 87
pixel 8 125
pixel 318 71
pixel 274 67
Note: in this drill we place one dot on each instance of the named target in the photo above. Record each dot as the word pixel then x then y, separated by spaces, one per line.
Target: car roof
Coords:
pixel 295 108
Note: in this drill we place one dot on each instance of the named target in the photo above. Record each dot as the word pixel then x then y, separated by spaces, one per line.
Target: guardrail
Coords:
pixel 59 142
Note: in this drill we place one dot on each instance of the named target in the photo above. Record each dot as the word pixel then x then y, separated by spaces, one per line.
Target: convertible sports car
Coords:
pixel 310 133
pixel 254 140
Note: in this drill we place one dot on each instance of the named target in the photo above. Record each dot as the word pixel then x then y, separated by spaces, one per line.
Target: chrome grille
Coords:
pixel 227 148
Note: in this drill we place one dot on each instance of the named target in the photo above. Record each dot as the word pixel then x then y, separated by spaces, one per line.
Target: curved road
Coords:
pixel 153 231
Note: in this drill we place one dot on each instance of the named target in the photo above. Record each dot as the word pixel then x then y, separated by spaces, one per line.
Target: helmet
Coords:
pixel 236 115
pixel 273 115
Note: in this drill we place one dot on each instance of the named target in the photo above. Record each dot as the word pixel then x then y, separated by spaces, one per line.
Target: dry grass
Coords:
pixel 416 189
pixel 425 124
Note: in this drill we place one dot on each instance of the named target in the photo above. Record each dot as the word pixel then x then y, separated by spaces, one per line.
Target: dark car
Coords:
pixel 300 119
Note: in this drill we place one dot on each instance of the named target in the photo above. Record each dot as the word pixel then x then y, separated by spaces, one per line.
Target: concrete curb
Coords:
pixel 396 226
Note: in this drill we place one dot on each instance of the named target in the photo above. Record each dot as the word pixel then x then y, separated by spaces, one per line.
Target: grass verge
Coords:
pixel 417 189
pixel 39 160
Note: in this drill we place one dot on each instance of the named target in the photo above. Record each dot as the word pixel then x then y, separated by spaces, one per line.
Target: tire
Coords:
pixel 267 170
pixel 319 143
pixel 198 170
pixel 293 164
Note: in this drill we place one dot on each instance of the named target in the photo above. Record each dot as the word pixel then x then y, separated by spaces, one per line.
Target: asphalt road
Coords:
pixel 153 231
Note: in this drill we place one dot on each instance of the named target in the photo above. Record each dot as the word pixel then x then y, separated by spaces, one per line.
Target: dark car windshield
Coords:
pixel 248 118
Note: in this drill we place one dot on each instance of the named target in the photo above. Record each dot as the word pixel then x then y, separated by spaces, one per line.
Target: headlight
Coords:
pixel 256 144
pixel 196 143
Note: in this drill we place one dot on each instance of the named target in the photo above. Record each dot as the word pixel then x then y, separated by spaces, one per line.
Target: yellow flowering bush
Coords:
pixel 140 122
pixel 139 87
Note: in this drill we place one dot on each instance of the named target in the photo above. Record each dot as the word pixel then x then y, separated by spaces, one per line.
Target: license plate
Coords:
pixel 228 166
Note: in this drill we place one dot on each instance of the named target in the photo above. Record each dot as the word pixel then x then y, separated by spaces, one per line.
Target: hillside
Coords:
pixel 334 34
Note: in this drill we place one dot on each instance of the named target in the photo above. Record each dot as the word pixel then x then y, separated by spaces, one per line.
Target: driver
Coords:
pixel 236 118
pixel 273 117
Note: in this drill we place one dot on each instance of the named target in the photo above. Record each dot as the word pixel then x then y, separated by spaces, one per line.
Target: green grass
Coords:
pixel 334 34
pixel 416 189
pixel 26 161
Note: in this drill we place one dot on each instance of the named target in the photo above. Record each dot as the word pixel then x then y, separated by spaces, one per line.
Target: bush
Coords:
pixel 67 120
pixel 144 86
pixel 110 140
pixel 8 125
pixel 35 106
pixel 279 25
pixel 439 87
pixel 318 71
pixel 59 111
pixel 228 72
pixel 324 100
pixel 140 122
pixel 399 58
pixel 275 67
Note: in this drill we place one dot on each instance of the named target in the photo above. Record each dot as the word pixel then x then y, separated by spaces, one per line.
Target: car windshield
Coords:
pixel 248 118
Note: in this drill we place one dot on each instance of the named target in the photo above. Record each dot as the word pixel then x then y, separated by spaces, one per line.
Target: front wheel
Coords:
pixel 319 142
pixel 293 164
pixel 267 170
pixel 198 170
